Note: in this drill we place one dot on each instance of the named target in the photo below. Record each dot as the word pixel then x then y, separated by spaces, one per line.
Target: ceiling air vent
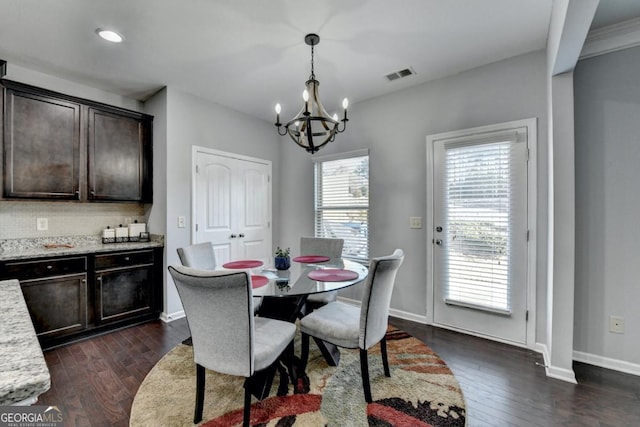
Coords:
pixel 400 74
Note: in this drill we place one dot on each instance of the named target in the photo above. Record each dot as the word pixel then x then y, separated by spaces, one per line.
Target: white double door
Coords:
pixel 232 205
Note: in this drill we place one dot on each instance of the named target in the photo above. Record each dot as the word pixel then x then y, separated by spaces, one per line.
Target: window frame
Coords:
pixel 318 162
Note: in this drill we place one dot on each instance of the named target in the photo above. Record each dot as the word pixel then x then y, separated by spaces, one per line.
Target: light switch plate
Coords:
pixel 181 221
pixel 415 222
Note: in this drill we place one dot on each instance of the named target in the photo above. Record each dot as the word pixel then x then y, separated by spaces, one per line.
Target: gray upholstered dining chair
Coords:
pixel 227 337
pixel 203 257
pixel 348 326
pixel 198 255
pixel 321 246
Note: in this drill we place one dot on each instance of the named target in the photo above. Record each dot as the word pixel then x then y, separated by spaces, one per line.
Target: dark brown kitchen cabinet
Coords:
pixel 41 146
pixel 119 153
pixel 71 297
pixel 61 147
pixel 55 291
pixel 124 285
pixel 57 305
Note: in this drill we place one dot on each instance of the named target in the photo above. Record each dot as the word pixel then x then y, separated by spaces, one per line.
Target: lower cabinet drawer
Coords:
pixel 123 259
pixel 25 270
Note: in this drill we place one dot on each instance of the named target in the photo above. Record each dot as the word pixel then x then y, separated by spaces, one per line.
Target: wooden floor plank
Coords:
pixel 95 381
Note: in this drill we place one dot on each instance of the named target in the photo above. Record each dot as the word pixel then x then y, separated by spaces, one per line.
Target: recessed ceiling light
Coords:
pixel 109 35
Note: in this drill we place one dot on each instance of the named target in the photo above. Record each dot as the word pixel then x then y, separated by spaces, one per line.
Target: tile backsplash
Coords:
pixel 18 219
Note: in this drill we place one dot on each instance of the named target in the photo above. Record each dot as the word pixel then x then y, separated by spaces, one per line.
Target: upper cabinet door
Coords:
pixel 41 146
pixel 119 154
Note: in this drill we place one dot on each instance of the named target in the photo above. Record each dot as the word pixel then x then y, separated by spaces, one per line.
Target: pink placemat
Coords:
pixel 248 263
pixel 311 258
pixel 257 281
pixel 332 275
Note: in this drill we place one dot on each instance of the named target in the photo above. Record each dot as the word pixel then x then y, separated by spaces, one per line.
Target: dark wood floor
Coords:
pixel 96 380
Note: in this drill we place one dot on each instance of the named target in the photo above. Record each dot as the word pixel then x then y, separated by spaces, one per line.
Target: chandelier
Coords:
pixel 312 128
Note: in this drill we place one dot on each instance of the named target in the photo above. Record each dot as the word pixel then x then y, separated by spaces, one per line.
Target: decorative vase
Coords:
pixel 282 262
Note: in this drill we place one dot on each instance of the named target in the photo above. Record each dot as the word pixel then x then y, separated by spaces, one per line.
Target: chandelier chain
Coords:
pixel 313 76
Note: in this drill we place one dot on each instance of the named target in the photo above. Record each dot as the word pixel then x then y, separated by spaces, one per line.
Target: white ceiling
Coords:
pixel 250 54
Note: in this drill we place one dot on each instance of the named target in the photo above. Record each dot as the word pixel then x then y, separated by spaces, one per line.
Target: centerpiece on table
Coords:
pixel 282 260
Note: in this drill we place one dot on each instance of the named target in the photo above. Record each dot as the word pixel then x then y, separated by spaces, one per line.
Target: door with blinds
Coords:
pixel 480 233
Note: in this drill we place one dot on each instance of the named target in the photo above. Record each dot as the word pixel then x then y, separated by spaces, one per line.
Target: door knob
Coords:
pixel 241 235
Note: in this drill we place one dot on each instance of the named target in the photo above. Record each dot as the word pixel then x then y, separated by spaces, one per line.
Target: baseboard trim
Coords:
pixel 553 371
pixel 167 318
pixel 392 312
pixel 607 362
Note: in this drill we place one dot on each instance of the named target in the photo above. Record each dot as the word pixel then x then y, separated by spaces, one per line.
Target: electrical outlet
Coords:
pixel 415 222
pixel 616 324
pixel 181 221
pixel 42 224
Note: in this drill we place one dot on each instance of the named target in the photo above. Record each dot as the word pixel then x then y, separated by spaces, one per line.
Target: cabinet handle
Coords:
pixel 126 258
pixel 49 267
pixel 241 235
pixel 233 236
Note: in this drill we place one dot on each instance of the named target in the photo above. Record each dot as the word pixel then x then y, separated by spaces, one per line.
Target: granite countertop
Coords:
pixel 14 249
pixel 23 370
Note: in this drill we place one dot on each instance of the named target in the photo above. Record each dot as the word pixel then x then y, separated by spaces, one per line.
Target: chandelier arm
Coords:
pixel 285 130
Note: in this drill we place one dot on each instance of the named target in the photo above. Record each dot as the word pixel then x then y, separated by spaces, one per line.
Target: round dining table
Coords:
pixel 284 293
pixel 303 279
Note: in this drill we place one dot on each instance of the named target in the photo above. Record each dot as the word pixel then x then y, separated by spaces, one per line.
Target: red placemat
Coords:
pixel 311 258
pixel 248 263
pixel 332 275
pixel 257 281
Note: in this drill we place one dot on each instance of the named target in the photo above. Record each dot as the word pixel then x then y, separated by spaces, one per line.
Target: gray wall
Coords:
pixel 189 120
pixel 607 152
pixel 394 128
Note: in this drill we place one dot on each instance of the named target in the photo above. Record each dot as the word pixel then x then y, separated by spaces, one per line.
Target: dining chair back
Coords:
pixel 227 337
pixel 198 255
pixel 321 246
pixel 347 326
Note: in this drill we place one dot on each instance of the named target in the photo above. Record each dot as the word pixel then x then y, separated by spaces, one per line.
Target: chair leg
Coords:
pixel 364 367
pixel 304 352
pixel 246 418
pixel 385 361
pixel 200 377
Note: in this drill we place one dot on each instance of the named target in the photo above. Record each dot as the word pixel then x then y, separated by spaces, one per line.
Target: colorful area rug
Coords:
pixel 422 391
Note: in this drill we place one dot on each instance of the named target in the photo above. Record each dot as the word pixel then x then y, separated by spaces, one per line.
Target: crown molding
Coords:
pixel 612 38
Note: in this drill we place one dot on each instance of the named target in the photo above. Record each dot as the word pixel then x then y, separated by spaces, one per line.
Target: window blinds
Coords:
pixel 478 221
pixel 342 203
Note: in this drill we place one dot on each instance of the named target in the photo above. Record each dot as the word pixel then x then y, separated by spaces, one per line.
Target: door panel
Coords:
pixel 233 206
pixel 480 234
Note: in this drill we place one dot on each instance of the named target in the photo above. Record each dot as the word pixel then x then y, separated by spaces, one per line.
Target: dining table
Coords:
pixel 283 294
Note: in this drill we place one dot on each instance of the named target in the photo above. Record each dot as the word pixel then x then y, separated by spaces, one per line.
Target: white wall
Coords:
pixel 607 151
pixel 191 120
pixel 394 128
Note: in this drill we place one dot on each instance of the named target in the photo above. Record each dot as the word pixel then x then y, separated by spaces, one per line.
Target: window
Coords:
pixel 482 210
pixel 342 201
